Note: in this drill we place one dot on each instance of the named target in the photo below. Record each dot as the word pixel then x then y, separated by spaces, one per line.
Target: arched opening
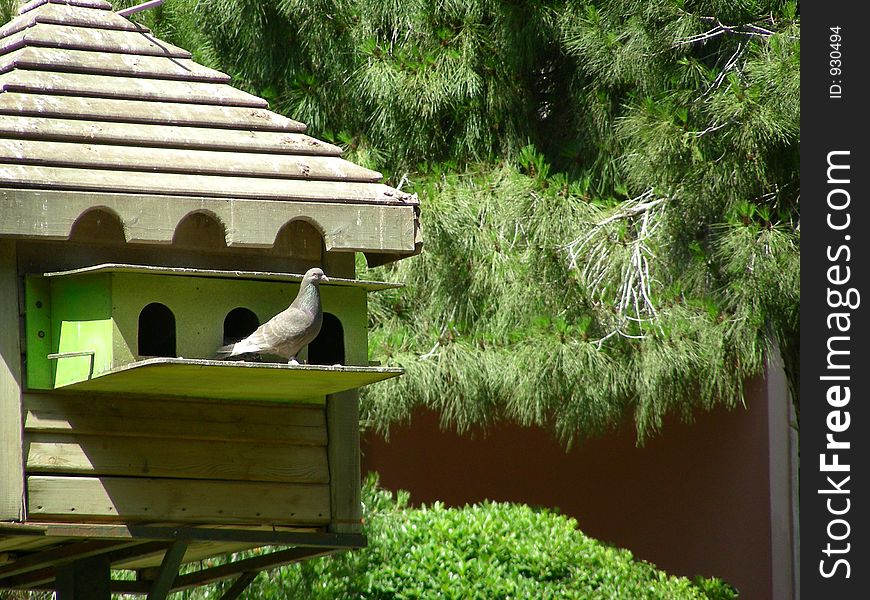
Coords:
pixel 200 230
pixel 156 331
pixel 301 240
pixel 328 347
pixel 239 324
pixel 98 226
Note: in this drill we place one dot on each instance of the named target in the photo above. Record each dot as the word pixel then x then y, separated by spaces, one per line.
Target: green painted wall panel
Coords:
pixel 200 306
pixel 37 327
pixel 100 312
pixel 81 318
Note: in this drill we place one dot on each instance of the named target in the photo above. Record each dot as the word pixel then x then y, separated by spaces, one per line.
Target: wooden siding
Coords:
pixel 139 499
pixel 11 471
pixel 247 223
pixel 98 458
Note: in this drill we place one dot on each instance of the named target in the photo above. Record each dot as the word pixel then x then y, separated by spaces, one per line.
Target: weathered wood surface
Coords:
pixel 342 426
pixel 161 136
pixel 249 423
pixel 137 111
pixel 253 223
pixel 86 38
pixel 342 414
pixel 33 4
pixel 65 14
pixel 172 458
pixel 122 65
pixel 177 160
pixel 11 475
pixel 243 381
pixel 177 500
pixel 28 543
pixel 129 88
pixel 367 285
pixel 196 551
pixel 260 534
pixel 137 182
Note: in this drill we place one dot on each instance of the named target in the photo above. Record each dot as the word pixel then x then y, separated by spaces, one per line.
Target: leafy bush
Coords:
pixel 485 551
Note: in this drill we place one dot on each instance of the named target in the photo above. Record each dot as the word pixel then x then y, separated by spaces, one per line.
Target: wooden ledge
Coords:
pixel 370 286
pixel 227 380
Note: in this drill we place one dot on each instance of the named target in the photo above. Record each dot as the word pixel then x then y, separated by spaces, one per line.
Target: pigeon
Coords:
pixel 289 331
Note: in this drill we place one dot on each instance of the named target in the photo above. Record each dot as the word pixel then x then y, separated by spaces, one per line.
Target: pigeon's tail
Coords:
pixel 224 352
pixel 238 351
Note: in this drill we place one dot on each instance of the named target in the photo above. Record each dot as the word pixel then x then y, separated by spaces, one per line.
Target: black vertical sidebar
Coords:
pixel 835 299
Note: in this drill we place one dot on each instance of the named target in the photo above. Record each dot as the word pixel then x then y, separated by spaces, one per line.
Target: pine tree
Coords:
pixel 610 190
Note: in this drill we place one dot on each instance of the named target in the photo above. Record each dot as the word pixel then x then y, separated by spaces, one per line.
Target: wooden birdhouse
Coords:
pixel 150 213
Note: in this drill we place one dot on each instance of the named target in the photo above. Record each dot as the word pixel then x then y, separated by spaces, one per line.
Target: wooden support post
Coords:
pixel 11 463
pixel 168 571
pixel 84 579
pixel 342 430
pixel 240 585
pixel 342 426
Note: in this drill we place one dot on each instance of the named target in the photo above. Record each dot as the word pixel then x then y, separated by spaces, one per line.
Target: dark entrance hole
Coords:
pixel 156 331
pixel 328 347
pixel 239 324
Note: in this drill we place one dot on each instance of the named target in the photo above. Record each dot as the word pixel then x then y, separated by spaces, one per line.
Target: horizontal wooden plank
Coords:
pixel 260 534
pixel 94 40
pixel 177 419
pixel 130 88
pixel 232 380
pixel 66 14
pixel 367 285
pixel 33 4
pixel 150 218
pixel 118 65
pixel 141 499
pixel 162 136
pixel 196 551
pixel 140 111
pixel 177 160
pixel 29 543
pixel 92 180
pixel 173 458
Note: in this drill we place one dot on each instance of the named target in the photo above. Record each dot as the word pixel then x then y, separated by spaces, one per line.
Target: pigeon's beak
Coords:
pixel 324 278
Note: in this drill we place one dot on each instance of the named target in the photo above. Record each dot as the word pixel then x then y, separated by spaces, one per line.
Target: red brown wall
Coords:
pixel 694 500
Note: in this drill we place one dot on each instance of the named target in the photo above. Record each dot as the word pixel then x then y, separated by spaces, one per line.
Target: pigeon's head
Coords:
pixel 314 276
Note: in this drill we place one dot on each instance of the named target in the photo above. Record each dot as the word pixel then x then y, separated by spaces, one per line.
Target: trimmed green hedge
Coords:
pixel 487 551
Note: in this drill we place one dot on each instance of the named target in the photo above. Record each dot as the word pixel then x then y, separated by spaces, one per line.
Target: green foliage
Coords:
pixel 495 323
pixel 609 190
pixel 8 9
pixel 485 551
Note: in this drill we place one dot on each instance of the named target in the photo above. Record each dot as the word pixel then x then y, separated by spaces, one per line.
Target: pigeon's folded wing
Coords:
pixel 287 328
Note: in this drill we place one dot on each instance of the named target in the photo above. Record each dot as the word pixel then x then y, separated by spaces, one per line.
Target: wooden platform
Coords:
pixel 32 553
pixel 232 380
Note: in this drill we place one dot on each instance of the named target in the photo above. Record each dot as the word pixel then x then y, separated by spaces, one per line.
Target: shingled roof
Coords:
pixel 92 103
